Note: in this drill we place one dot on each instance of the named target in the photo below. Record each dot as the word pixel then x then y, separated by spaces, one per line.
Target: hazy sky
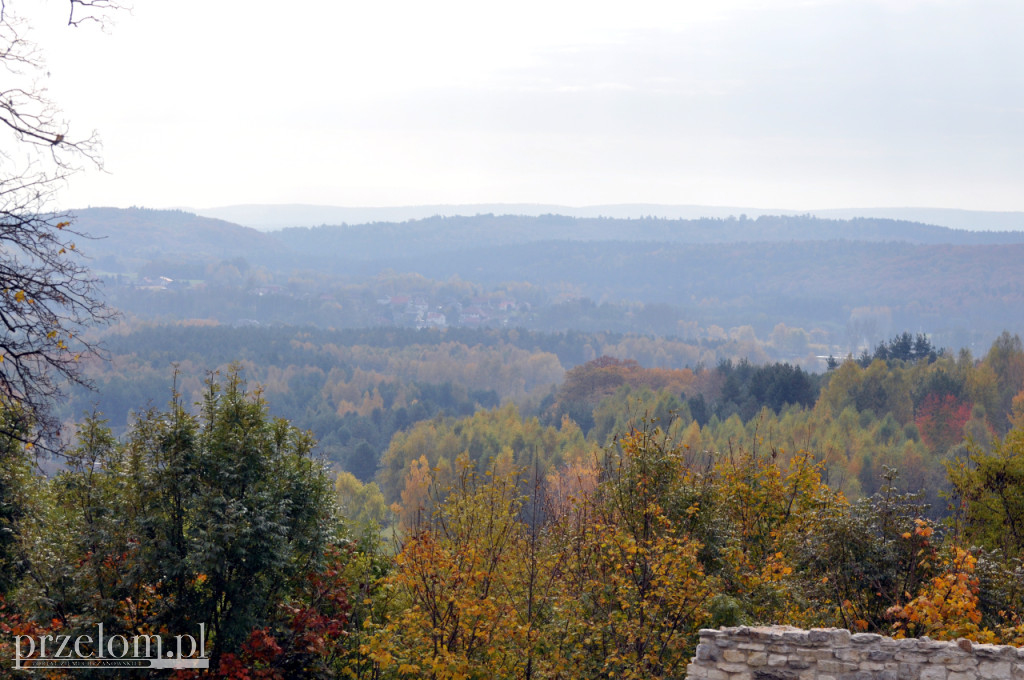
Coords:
pixel 796 104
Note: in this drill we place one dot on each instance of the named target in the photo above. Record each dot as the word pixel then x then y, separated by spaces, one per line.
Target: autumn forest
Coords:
pixel 482 341
pixel 451 471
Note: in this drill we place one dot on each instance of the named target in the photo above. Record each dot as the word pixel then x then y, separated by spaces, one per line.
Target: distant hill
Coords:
pixel 800 270
pixel 270 217
pixel 136 235
pixel 934 286
pixel 974 220
pixel 133 234
pixel 387 240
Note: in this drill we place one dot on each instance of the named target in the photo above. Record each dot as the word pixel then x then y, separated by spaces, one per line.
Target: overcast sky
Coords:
pixel 798 104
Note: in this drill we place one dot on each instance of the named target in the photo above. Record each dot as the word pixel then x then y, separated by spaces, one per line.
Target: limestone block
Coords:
pixel 933 673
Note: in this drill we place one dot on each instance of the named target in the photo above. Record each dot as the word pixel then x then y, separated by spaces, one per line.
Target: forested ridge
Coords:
pixel 174 231
pixel 554 273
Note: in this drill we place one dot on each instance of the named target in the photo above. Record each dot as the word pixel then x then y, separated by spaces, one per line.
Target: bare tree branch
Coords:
pixel 92 10
pixel 48 296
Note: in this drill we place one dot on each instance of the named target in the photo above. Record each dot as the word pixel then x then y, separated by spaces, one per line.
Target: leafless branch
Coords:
pixel 99 11
pixel 48 296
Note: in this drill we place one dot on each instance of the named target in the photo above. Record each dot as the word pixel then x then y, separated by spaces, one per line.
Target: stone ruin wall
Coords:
pixel 784 653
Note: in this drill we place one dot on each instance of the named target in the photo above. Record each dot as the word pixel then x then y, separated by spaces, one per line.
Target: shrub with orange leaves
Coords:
pixel 946 608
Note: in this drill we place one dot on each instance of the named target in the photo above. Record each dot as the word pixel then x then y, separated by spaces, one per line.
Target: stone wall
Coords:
pixel 784 653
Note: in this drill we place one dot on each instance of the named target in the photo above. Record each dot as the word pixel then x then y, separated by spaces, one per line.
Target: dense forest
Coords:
pixel 907 405
pixel 362 465
pixel 355 388
pixel 584 525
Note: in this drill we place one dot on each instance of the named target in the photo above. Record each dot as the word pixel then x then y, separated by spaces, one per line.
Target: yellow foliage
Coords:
pixel 947 607
pixel 461 578
pixel 415 504
pixel 1017 412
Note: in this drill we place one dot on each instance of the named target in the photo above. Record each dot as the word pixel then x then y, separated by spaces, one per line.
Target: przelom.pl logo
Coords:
pixel 113 651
